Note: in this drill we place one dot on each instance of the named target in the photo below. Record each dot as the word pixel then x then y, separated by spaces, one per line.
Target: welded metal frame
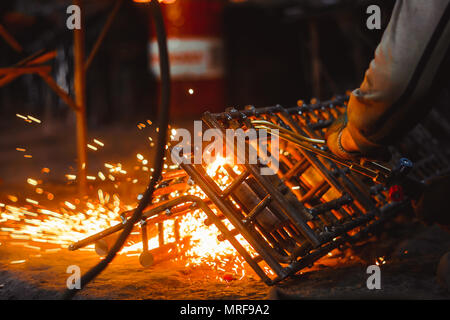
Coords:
pixel 315 204
pixel 310 225
pixel 163 208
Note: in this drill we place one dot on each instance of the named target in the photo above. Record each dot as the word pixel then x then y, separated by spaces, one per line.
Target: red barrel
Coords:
pixel 194 31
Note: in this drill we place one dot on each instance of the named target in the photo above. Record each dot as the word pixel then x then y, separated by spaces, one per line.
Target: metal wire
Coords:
pixel 263 124
pixel 376 176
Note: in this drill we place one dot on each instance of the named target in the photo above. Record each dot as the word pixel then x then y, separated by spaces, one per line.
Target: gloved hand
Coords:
pixel 341 143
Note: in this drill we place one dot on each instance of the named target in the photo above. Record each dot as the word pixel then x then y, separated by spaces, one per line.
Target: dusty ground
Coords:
pixel 411 250
pixel 45 278
pixel 412 253
pixel 409 273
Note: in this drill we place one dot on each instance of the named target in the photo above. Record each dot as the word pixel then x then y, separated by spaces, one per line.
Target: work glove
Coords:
pixel 334 138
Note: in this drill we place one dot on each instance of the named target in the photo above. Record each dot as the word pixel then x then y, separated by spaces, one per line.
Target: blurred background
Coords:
pixel 259 52
pixel 223 54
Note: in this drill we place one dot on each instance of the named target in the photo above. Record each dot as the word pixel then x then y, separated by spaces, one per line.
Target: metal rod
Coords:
pixel 80 100
pixel 144 236
pixel 146 215
pixel 263 124
pixel 236 183
pixel 257 210
pixel 59 91
pixel 176 229
pixel 161 234
pixel 103 34
pixel 10 39
pixel 376 176
pixel 37 58
pixel 24 70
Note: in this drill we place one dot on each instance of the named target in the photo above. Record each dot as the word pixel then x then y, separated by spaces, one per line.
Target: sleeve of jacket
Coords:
pixel 406 65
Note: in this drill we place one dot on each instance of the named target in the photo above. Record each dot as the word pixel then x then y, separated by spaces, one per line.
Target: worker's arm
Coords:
pixel 407 64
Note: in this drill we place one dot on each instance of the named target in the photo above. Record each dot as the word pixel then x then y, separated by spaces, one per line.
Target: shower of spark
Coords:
pixel 29 224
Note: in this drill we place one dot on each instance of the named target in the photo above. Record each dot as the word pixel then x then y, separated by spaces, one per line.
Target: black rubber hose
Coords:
pixel 163 122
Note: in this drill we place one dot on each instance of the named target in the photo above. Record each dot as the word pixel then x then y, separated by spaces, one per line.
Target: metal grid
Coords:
pixel 163 208
pixel 313 205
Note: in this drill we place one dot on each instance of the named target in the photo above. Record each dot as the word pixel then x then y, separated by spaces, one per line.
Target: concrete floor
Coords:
pixel 407 276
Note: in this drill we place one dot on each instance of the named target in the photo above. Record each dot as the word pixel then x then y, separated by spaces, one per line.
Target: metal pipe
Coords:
pixel 103 34
pixel 10 39
pixel 80 100
pixel 263 124
pixel 60 92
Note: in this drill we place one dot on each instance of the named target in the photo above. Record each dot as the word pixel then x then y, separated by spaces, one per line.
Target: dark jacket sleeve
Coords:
pixel 407 62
